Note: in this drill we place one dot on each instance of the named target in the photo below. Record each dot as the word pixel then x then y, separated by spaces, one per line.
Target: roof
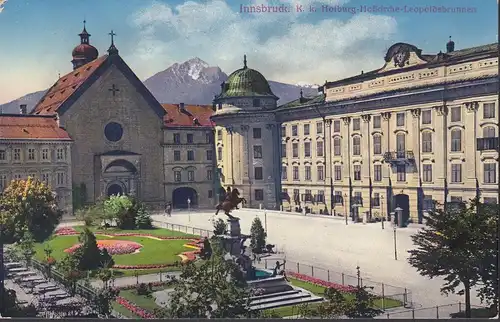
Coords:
pixel 65 86
pixel 184 117
pixel 304 101
pixel 431 61
pixel 31 127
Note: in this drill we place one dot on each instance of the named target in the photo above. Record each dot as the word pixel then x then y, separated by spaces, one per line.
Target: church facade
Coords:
pixel 421 130
pixel 120 139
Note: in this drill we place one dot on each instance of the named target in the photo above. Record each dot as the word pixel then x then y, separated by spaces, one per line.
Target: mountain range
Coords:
pixel 190 82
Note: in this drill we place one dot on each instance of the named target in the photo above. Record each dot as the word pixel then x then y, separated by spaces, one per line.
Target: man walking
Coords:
pixel 168 209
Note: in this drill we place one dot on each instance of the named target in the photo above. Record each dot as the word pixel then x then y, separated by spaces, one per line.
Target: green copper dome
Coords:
pixel 245 82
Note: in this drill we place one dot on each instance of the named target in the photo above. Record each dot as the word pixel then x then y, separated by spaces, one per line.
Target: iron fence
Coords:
pixel 383 290
pixel 184 229
pixel 436 312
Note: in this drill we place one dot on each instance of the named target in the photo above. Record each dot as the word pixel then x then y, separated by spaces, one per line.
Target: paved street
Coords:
pixel 329 243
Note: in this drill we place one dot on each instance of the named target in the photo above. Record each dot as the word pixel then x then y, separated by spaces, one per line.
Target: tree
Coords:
pixel 118 208
pixel 68 266
pixel 220 227
pixel 143 218
pixel 362 306
pixel 10 308
pixel 104 299
pixel 26 246
pixel 257 236
pixel 215 289
pixel 30 205
pixel 88 255
pixel 451 245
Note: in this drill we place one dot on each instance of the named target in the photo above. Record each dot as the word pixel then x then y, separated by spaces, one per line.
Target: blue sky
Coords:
pixel 37 37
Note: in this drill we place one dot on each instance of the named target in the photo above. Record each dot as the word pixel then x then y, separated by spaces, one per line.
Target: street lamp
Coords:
pixel 382 210
pixel 345 208
pixel 399 213
pixel 395 246
pixel 355 214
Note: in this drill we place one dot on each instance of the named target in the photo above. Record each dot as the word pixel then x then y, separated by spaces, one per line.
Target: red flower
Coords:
pixel 134 308
pixel 51 260
pixel 64 231
pixel 319 282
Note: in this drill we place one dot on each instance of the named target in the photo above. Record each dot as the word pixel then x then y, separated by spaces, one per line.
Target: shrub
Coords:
pixel 220 227
pixel 257 236
pixel 143 289
pixel 143 219
pixel 89 256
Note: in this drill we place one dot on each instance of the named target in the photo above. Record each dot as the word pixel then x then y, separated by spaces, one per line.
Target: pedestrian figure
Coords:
pixel 168 209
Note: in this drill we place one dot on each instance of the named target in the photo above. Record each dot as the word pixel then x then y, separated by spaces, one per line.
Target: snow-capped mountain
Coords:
pixel 306 85
pixel 191 82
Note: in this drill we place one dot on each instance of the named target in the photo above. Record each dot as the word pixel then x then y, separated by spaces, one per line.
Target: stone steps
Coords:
pixel 287 302
pixel 265 296
pixel 279 297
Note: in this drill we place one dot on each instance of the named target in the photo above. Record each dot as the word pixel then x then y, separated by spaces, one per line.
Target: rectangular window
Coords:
pixel 45 154
pixel 356 145
pixel 456 114
pixel 320 197
pixel 61 154
pixel 31 154
pixel 258 175
pixel 490 200
pixel 427 117
pixel 336 147
pixel 321 173
pixel 60 177
pixel 3 155
pixel 210 155
pixel 455 199
pixel 177 176
pixel 295 150
pixel 17 176
pixel 257 133
pixel 256 102
pixel 319 127
pixel 189 138
pixel 377 172
pixel 17 154
pixel 208 138
pixel 210 193
pixel 257 151
pixel 400 119
pixel 307 149
pixel 3 182
pixel 295 130
pixel 337 198
pixel 456 173
pixel 336 126
pixel 307 129
pixel 219 135
pixel 308 173
pixel 283 131
pixel 377 122
pixel 319 148
pixel 428 203
pixel 358 199
pixel 377 144
pixel 210 175
pixel 427 142
pixel 489 110
pixel 259 194
pixel 177 155
pixel 427 173
pixel 456 140
pixel 46 179
pixel 307 196
pixel 357 172
pixel 338 172
pixel 283 150
pixel 190 175
pixel 490 172
pixel 190 155
pixel 401 172
pixel 295 173
pixel 219 153
pixel 177 138
pixel 356 124
pixel 284 173
pixel 376 200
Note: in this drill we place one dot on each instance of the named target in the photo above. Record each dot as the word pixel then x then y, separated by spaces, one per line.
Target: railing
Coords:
pixel 487 144
pixel 436 312
pixel 184 229
pixel 382 290
pixel 396 156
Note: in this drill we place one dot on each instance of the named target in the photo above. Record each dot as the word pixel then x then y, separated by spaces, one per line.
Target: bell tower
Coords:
pixel 248 138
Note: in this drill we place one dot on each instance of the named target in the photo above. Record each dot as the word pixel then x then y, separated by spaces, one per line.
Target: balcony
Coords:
pixel 484 144
pixel 399 157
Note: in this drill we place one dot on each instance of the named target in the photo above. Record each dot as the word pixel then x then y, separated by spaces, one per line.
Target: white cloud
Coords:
pixel 281 46
pixel 2 4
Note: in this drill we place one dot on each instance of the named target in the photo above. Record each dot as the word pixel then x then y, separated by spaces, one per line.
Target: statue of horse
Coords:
pixel 230 202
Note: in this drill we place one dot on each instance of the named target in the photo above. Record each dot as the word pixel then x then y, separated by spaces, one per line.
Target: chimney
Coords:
pixel 450 46
pixel 23 109
pixel 181 106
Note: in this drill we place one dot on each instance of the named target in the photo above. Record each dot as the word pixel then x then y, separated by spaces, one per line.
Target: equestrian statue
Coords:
pixel 230 202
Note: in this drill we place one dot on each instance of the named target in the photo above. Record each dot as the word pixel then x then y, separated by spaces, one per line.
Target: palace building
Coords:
pixel 98 132
pixel 421 129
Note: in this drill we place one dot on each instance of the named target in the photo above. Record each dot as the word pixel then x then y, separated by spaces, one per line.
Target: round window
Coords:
pixel 113 131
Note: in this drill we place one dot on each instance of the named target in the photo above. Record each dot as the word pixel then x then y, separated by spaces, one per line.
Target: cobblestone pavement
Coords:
pixel 330 243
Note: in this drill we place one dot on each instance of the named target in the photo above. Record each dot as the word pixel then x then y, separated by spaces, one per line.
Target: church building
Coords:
pixel 118 138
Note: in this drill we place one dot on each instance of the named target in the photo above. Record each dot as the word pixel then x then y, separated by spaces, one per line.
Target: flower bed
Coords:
pixel 65 231
pixel 145 266
pixel 114 247
pixel 134 308
pixel 318 282
pixel 153 284
pixel 143 235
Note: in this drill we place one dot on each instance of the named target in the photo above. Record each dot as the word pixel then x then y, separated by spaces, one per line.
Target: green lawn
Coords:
pixel 319 291
pixel 145 302
pixel 152 252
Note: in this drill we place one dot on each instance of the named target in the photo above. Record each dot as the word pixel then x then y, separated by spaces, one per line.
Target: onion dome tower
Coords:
pixel 84 53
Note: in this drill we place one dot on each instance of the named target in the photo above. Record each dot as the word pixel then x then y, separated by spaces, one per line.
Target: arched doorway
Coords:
pixel 180 197
pixel 115 189
pixel 402 201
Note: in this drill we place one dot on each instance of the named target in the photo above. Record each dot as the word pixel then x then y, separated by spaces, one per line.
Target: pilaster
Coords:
pixel 469 136
pixel 346 148
pixel 228 155
pixel 366 151
pixel 245 161
pixel 415 137
pixel 386 146
pixel 441 168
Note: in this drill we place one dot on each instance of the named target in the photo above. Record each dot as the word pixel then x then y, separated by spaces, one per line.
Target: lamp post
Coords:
pixel 189 209
pixel 399 213
pixel 382 210
pixel 395 245
pixel 355 215
pixel 345 208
